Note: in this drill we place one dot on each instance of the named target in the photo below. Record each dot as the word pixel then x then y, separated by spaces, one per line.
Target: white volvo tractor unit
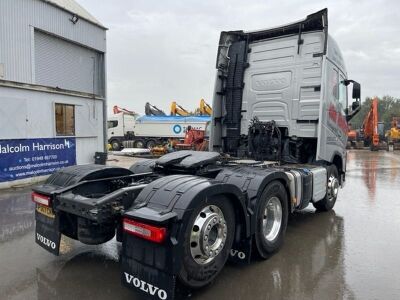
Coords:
pixel 278 140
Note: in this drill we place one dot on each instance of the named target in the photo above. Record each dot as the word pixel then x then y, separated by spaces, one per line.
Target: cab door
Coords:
pixel 332 126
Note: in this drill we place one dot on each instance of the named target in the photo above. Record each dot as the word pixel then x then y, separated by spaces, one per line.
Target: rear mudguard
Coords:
pixel 152 268
pixel 49 227
pixel 253 181
pixel 70 176
pixel 143 166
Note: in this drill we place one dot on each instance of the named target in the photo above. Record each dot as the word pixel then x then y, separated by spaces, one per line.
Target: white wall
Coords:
pixel 30 114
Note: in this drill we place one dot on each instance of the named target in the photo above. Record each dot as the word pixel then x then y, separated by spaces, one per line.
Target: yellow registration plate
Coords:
pixel 47 211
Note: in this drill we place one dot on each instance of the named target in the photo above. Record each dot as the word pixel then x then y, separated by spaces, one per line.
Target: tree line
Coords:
pixel 388 107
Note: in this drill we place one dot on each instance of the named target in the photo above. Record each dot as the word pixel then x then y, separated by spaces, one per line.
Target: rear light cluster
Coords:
pixel 145 231
pixel 41 199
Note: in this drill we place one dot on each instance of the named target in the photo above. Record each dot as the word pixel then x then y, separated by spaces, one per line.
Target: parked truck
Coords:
pixel 278 144
pixel 131 131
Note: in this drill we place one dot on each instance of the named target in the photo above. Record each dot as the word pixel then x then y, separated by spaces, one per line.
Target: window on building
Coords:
pixel 65 119
pixel 112 124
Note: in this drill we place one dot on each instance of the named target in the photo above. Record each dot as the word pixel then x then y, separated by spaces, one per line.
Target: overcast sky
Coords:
pixel 160 51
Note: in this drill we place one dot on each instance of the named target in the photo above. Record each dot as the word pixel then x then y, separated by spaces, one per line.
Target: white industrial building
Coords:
pixel 52 88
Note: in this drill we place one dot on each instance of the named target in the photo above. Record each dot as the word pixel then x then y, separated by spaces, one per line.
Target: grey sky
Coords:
pixel 160 51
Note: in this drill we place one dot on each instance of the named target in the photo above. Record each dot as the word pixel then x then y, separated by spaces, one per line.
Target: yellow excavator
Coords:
pixel 393 135
pixel 177 110
pixel 204 108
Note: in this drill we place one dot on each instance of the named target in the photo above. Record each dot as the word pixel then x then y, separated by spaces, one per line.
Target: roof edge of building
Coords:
pixel 94 22
pixel 48 89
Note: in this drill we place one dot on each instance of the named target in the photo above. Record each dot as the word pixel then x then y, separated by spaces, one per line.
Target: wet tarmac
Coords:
pixel 352 252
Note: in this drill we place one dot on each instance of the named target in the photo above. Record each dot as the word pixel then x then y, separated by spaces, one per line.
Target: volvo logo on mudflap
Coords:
pixel 237 253
pixel 145 287
pixel 45 241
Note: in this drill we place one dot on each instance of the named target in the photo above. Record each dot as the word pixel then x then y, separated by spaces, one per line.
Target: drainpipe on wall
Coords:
pixel 105 104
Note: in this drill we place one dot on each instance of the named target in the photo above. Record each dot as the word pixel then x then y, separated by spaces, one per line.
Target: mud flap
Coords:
pixel 241 252
pixel 47 233
pixel 148 281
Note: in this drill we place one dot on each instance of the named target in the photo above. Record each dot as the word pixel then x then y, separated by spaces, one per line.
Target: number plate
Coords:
pixel 44 210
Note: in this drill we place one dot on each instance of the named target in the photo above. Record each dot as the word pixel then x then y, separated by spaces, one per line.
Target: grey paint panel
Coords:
pixel 284 85
pixel 81 67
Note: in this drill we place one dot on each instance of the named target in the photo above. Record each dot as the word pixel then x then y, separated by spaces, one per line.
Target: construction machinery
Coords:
pixel 355 138
pixel 278 143
pixel 351 137
pixel 151 110
pixel 117 110
pixel 393 135
pixel 373 130
pixel 195 139
pixel 204 108
pixel 177 110
pixel 127 130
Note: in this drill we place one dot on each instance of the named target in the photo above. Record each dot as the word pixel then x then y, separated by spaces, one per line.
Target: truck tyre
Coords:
pixel 272 217
pixel 150 144
pixel 207 242
pixel 332 189
pixel 115 145
pixel 139 144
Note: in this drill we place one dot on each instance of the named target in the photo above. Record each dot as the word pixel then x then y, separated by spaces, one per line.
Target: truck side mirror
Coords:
pixel 356 105
pixel 356 90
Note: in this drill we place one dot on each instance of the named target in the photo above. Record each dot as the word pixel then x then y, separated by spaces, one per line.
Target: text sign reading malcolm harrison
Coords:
pixel 35 157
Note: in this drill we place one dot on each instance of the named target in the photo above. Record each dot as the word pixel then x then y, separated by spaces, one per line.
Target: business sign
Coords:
pixel 35 157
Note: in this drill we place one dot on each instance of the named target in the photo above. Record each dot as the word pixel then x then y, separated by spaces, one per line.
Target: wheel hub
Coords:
pixel 333 187
pixel 272 219
pixel 208 235
pixel 139 144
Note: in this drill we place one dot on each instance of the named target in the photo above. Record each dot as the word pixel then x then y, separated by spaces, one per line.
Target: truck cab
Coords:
pixel 120 126
pixel 281 94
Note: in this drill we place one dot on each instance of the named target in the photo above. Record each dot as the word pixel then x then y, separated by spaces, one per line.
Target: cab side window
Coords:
pixel 334 84
pixel 112 124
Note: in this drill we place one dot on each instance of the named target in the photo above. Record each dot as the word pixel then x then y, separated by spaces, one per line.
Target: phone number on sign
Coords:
pixel 44 157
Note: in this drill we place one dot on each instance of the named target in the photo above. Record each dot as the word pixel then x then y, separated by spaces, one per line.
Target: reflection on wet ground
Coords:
pixel 351 252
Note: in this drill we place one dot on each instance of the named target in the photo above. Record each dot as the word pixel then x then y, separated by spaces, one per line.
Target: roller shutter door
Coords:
pixel 63 64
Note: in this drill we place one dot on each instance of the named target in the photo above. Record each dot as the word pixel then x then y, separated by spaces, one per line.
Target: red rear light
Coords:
pixel 145 231
pixel 41 199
